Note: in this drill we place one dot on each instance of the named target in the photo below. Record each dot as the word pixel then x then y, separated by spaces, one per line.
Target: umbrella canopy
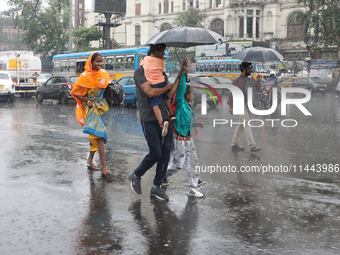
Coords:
pixel 184 37
pixel 258 54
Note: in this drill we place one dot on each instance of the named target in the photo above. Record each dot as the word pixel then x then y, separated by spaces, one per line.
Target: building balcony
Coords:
pixel 238 3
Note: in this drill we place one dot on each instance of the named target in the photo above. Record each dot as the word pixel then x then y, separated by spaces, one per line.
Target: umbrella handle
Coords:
pixel 179 61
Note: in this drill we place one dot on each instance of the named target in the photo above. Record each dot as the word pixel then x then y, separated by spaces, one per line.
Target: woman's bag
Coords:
pixel 114 94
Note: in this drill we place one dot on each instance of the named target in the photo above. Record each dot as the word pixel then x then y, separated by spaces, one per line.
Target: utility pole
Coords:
pixel 70 28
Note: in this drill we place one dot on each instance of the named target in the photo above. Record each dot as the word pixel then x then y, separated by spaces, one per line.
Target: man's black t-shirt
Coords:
pixel 145 111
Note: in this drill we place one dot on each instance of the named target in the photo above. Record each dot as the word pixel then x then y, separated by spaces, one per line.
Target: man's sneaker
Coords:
pixel 158 193
pixel 172 119
pixel 165 182
pixel 195 193
pixel 200 184
pixel 135 183
pixel 165 128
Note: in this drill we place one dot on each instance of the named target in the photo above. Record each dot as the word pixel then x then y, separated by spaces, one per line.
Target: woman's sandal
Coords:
pixel 92 167
pixel 107 173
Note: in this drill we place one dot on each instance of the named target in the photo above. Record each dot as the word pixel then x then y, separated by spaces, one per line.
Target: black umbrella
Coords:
pixel 184 37
pixel 258 54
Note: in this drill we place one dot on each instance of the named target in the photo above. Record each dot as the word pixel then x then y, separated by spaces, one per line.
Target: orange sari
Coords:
pixel 89 79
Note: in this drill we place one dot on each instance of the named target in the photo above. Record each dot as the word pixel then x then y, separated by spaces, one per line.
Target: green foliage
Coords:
pixel 190 18
pixel 45 27
pixel 83 37
pixel 322 19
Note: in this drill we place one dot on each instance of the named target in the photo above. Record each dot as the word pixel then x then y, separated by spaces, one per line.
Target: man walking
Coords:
pixel 159 147
pixel 243 82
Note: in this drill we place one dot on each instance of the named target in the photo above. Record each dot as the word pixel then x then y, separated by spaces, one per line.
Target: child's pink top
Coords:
pixel 153 69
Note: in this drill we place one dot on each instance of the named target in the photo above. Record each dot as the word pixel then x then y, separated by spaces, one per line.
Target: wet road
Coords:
pixel 50 203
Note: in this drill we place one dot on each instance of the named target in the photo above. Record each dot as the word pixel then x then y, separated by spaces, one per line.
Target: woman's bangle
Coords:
pixel 178 77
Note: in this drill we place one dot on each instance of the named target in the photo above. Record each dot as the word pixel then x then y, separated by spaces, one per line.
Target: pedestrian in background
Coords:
pixel 243 82
pixel 92 110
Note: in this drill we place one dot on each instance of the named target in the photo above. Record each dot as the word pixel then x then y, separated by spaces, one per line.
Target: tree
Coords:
pixel 84 36
pixel 322 19
pixel 45 27
pixel 190 18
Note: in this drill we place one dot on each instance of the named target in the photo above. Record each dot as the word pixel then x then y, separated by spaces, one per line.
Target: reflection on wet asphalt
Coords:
pixel 51 204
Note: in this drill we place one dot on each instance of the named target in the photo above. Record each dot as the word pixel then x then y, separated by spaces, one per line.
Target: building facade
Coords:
pixel 10 36
pixel 270 21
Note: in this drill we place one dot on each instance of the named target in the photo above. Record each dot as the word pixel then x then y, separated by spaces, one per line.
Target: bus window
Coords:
pixel 130 62
pixel 253 67
pixel 72 66
pixel 198 67
pixel 63 66
pixel 206 67
pixel 56 67
pixel 234 68
pixel 201 67
pixel 223 68
pixel 217 68
pixel 80 66
pixel 228 68
pixel 119 63
pixel 109 63
pixel 212 68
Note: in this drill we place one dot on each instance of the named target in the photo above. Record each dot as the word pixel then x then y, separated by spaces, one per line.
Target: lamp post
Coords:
pixel 308 41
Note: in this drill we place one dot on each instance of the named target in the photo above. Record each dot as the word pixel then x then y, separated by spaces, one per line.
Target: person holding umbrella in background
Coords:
pixel 243 81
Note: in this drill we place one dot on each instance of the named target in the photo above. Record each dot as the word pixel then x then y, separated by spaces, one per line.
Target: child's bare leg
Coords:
pixel 168 105
pixel 158 114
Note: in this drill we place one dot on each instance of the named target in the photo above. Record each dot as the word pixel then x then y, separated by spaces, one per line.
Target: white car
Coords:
pixel 7 88
pixel 42 78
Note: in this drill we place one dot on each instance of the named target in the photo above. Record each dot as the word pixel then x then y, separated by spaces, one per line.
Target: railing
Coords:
pixel 252 1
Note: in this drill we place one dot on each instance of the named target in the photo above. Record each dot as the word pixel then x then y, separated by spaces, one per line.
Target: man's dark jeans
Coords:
pixel 159 151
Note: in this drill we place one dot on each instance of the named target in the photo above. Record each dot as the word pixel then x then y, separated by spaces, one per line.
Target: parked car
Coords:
pixel 306 83
pixel 7 88
pixel 43 77
pixel 56 87
pixel 129 88
pixel 198 81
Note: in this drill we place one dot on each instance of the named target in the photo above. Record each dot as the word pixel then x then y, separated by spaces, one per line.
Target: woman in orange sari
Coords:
pixel 92 110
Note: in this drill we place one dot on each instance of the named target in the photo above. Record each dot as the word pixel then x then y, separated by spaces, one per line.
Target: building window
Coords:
pixel 172 7
pixel 137 35
pixel 210 4
pixel 250 27
pixel 14 36
pixel 218 2
pixel 294 27
pixel 183 5
pixel 159 8
pixel 138 10
pixel 4 35
pixel 218 26
pixel 191 3
pixel 166 6
pixel 197 4
pixel 241 27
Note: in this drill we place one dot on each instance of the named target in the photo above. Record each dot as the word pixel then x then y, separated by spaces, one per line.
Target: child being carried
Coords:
pixel 153 69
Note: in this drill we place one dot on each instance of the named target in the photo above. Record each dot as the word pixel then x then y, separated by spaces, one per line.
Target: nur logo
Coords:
pixel 204 96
